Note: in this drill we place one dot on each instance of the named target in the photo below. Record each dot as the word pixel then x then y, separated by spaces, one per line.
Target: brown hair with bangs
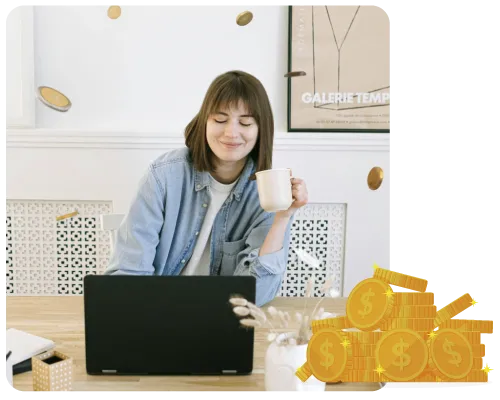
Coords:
pixel 227 90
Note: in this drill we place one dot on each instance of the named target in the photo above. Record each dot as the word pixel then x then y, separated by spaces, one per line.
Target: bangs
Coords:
pixel 230 95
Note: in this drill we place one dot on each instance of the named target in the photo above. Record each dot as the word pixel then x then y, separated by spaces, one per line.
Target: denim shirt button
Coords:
pixel 183 261
pixel 197 233
pixel 198 186
pixel 204 205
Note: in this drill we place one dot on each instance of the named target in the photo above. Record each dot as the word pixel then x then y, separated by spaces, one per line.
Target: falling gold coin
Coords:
pixel 402 354
pixel 53 98
pixel 66 216
pixel 375 178
pixel 114 12
pixel 295 73
pixel 244 18
pixel 451 354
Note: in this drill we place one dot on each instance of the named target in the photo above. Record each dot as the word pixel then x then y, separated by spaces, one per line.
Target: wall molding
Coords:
pixel 20 68
pixel 284 141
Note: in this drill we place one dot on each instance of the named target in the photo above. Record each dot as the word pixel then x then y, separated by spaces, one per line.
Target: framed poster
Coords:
pixel 338 59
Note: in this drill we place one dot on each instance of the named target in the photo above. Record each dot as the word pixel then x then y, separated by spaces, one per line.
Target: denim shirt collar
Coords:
pixel 202 179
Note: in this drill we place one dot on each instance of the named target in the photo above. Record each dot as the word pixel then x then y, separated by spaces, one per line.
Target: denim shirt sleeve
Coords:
pixel 268 269
pixel 138 235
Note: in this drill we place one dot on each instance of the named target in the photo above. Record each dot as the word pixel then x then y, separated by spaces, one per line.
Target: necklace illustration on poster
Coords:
pixel 53 98
pixel 114 12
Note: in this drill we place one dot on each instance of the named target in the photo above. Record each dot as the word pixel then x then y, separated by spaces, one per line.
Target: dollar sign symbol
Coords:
pixel 399 350
pixel 447 347
pixel 325 350
pixel 365 299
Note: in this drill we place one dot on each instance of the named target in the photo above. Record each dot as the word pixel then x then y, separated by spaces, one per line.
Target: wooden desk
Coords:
pixel 61 319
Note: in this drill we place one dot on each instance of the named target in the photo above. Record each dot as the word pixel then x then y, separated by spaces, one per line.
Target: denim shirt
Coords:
pixel 159 233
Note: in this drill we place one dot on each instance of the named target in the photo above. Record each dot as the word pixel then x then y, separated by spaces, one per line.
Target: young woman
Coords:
pixel 197 210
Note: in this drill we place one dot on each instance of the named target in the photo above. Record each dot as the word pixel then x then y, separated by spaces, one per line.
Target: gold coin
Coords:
pixel 478 350
pixel 452 309
pixel 364 363
pixel 425 377
pixel 363 350
pixel 244 18
pixel 485 327
pixel 450 354
pixel 417 324
pixel 336 323
pixel 413 312
pixel 473 376
pixel 53 99
pixel 326 356
pixel 375 178
pixel 294 74
pixel 114 12
pixel 402 354
pixel 369 304
pixel 364 376
pixel 472 337
pixel 363 337
pixel 303 372
pixel 424 334
pixel 401 280
pixel 477 363
pixel 413 299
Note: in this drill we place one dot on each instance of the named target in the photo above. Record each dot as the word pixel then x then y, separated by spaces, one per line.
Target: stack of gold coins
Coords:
pixel 363 364
pixel 450 355
pixel 389 336
pixel 469 325
pixel 414 311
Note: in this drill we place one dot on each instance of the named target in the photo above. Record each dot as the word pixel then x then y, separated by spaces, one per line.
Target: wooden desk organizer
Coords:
pixel 52 371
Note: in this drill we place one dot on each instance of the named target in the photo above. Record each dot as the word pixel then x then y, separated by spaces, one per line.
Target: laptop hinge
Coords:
pixel 109 371
pixel 229 371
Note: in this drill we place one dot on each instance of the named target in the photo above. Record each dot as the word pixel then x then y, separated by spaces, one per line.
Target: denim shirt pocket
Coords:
pixel 230 251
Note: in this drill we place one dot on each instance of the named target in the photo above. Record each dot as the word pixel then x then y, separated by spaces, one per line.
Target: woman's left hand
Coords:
pixel 299 194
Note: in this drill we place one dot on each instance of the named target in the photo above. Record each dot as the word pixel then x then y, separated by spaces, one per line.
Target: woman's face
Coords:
pixel 232 133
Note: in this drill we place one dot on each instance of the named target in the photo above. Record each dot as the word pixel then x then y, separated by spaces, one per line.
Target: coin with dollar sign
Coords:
pixel 328 354
pixel 402 354
pixel 450 354
pixel 369 304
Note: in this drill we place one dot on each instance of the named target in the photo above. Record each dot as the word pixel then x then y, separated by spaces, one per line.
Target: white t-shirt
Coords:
pixel 199 263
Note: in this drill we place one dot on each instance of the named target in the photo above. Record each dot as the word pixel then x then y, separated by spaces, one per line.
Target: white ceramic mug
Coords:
pixel 275 189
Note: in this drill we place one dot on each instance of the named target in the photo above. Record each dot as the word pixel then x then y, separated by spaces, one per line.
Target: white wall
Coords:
pixel 20 68
pixel 135 82
pixel 10 67
pixel 149 69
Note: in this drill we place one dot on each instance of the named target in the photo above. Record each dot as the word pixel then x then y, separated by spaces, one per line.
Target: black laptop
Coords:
pixel 166 325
